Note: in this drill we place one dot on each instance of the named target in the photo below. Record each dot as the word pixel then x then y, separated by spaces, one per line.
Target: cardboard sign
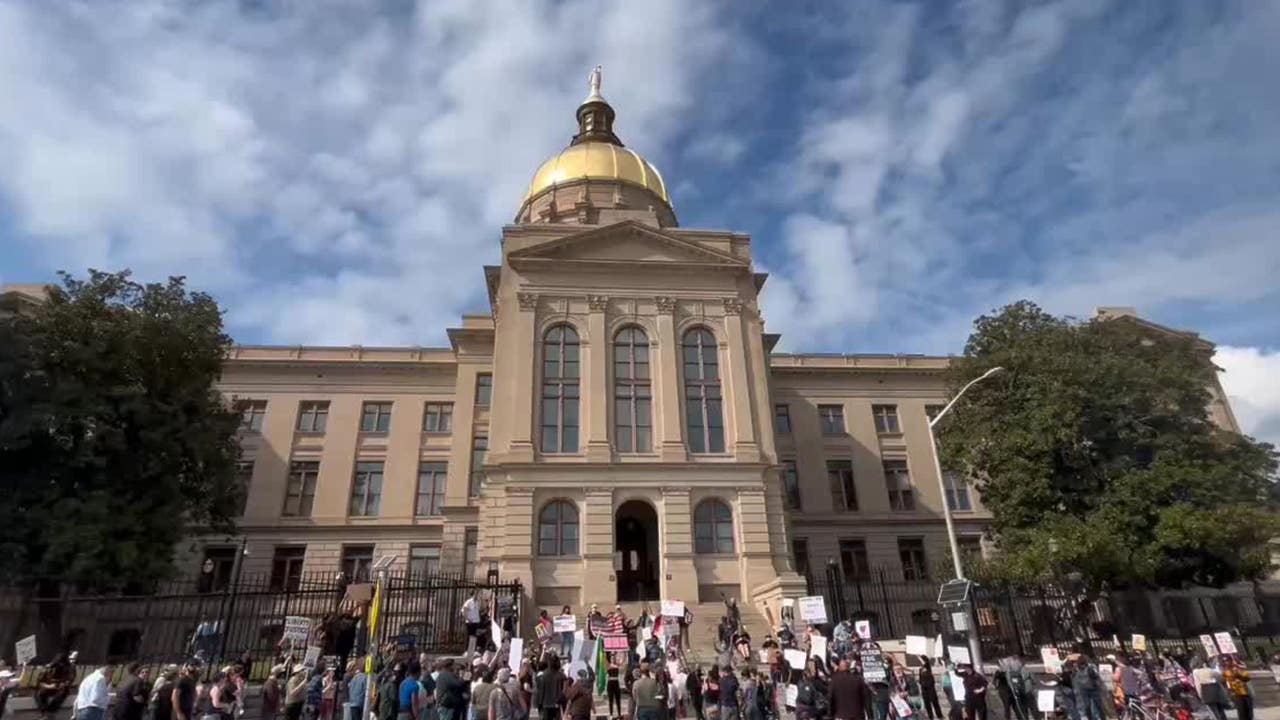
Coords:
pixel 793 692
pixel 957 687
pixel 1051 659
pixel 1210 647
pixel 1106 671
pixel 863 629
pixel 763 655
pixel 1045 700
pixel 917 645
pixel 813 609
pixel 673 609
pixel 818 647
pixel 515 654
pixel 1226 645
pixel 900 705
pixel 616 642
pixel 297 628
pixel 312 657
pixel 25 649
pixel 1139 642
pixel 959 654
pixel 795 658
pixel 564 623
pixel 873 669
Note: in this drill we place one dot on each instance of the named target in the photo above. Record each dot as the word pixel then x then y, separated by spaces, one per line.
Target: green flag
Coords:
pixel 602 664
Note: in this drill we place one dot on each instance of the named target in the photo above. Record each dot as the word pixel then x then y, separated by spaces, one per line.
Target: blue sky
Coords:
pixel 337 172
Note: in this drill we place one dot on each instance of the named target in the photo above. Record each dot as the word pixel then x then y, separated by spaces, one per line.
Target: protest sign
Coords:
pixel 795 658
pixel 813 609
pixel 1045 700
pixel 673 608
pixel 959 654
pixel 1210 647
pixel 818 647
pixel 957 687
pixel 312 657
pixel 646 632
pixel 616 642
pixel 25 649
pixel 1052 660
pixel 495 633
pixel 917 645
pixel 564 623
pixel 516 654
pixel 901 706
pixel 873 669
pixel 1138 642
pixel 297 628
pixel 937 649
pixel 863 629
pixel 1226 645
pixel 793 692
pixel 763 655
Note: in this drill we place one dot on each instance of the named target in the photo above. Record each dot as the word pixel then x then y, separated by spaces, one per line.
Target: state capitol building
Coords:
pixel 615 427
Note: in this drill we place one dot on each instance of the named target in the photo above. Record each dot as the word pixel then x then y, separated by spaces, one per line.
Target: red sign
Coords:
pixel 616 643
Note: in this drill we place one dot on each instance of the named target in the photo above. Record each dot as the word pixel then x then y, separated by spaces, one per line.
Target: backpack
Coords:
pixel 1017 682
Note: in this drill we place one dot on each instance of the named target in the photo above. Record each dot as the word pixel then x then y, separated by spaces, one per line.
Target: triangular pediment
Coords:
pixel 627 242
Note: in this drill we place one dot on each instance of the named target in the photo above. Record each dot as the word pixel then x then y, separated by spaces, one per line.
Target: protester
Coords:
pixel 481 690
pixel 850 696
pixel 184 695
pixel 929 690
pixel 357 684
pixel 1236 677
pixel 408 694
pixel 1086 683
pixel 1208 683
pixel 162 694
pixel 646 695
pixel 54 685
pixel 693 689
pixel 222 696
pixel 452 694
pixel 613 687
pixel 711 694
pixel 729 700
pixel 388 693
pixel 132 693
pixel 809 695
pixel 93 695
pixel 975 694
pixel 1018 687
pixel 578 699
pixel 548 690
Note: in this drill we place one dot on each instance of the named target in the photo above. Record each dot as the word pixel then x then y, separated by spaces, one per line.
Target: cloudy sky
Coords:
pixel 337 171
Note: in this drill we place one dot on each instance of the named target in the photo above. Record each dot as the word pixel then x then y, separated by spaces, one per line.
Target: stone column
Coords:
pixel 523 383
pixel 739 393
pixel 665 359
pixel 515 524
pixel 679 578
pixel 753 531
pixel 598 581
pixel 595 382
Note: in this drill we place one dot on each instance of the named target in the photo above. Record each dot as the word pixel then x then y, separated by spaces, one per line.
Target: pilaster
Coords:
pixel 739 393
pixel 679 577
pixel 597 373
pixel 523 385
pixel 667 395
pixel 598 582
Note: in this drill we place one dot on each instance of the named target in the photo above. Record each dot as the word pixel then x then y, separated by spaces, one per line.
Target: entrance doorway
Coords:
pixel 635 557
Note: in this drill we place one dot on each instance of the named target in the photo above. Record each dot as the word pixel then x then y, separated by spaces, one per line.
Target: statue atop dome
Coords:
pixel 593 82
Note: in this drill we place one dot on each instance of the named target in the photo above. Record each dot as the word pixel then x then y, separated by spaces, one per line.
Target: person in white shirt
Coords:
pixel 94 694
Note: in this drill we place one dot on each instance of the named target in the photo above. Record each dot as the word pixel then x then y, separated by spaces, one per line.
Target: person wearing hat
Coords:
pixel 183 697
pixel 295 694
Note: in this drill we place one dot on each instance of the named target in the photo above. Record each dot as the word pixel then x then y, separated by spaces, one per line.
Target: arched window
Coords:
pixel 560 390
pixel 712 527
pixel 702 392
pixel 558 529
pixel 632 393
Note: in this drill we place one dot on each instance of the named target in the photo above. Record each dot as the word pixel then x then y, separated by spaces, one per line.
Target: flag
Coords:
pixel 615 623
pixel 657 627
pixel 602 665
pixel 373 628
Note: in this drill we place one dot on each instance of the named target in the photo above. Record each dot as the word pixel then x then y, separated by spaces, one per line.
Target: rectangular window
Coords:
pixel 252 414
pixel 244 477
pixel 832 418
pixel 375 417
pixel 300 493
pixel 470 551
pixel 366 490
pixel 632 392
pixel 897 480
pixel 222 562
pixel 791 484
pixel 886 418
pixel 911 553
pixel 844 494
pixel 313 416
pixel 853 560
pixel 782 419
pixel 800 555
pixel 356 562
pixel 424 560
pixel 484 390
pixel 431 484
pixel 957 488
pixel 438 417
pixel 286 567
pixel 479 448
pixel 559 416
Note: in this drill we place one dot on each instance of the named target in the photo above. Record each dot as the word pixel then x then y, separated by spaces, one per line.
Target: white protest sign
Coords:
pixel 793 692
pixel 1051 659
pixel 917 645
pixel 818 647
pixel 1105 670
pixel 1045 700
pixel 763 655
pixel 904 710
pixel 646 632
pixel 312 656
pixel 1226 645
pixel 495 633
pixel 959 655
pixel 575 666
pixel 1139 642
pixel 937 647
pixel 1210 649
pixel 297 628
pixel 795 658
pixel 813 609
pixel 863 629
pixel 515 655
pixel 564 623
pixel 579 640
pixel 25 649
pixel 957 687
pixel 673 608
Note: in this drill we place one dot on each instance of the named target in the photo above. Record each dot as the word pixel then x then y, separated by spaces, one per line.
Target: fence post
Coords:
pixel 888 609
pixel 1013 616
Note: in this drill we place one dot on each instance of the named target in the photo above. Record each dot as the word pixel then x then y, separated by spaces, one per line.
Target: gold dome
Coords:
pixel 597 161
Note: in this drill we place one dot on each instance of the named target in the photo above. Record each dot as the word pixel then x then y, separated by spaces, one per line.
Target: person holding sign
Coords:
pixel 566 636
pixel 1236 677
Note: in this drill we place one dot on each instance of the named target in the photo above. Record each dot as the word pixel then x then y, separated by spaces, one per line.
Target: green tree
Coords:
pixel 114 442
pixel 1095 453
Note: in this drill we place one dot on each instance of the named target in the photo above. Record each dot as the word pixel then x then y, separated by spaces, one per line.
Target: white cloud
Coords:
pixel 1250 380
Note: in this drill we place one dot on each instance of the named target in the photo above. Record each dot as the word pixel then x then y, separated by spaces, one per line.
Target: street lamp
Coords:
pixel 975 646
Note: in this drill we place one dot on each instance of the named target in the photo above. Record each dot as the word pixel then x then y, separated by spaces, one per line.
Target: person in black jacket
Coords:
pixel 849 695
pixel 548 690
pixel 929 691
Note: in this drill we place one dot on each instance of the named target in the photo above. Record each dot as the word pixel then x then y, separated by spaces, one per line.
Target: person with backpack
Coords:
pixel 1020 686
pixel 1086 683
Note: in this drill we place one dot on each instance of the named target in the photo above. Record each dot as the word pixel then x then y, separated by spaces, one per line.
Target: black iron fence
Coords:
pixel 183 619
pixel 1021 622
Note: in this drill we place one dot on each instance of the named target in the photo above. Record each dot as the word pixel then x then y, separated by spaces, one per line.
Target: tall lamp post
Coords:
pixel 975 644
